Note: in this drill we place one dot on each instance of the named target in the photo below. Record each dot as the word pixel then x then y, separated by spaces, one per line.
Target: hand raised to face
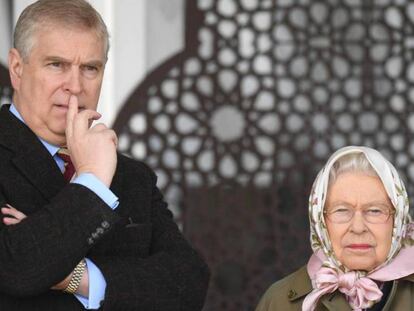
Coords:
pixel 92 149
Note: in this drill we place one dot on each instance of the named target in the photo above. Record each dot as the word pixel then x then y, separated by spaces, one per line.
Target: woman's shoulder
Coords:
pixel 287 293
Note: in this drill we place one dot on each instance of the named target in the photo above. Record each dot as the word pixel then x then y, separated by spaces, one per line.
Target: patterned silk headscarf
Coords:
pixel 326 271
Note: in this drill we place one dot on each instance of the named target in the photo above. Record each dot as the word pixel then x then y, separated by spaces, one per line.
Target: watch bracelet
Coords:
pixel 76 277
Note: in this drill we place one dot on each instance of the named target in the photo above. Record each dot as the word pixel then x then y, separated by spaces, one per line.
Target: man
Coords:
pixel 104 237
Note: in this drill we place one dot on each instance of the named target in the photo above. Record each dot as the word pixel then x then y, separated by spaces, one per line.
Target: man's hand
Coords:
pixel 12 215
pixel 92 150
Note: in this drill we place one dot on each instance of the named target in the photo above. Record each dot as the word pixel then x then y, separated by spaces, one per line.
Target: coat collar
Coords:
pixel 300 286
pixel 30 157
pixel 409 278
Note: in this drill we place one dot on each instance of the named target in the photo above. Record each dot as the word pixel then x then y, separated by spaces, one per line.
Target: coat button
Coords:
pixel 292 294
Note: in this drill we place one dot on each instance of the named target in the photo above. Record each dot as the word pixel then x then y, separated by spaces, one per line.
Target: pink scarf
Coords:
pixel 360 292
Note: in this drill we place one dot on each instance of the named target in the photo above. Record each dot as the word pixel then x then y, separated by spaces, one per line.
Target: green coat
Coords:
pixel 288 295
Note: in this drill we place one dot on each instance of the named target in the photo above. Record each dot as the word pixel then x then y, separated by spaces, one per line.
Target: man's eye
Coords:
pixel 55 64
pixel 91 68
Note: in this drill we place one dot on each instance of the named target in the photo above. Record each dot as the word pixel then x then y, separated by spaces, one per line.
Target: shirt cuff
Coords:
pixel 93 183
pixel 97 287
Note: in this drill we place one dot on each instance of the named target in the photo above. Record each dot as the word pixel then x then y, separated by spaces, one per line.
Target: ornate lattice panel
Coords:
pixel 262 94
pixel 5 88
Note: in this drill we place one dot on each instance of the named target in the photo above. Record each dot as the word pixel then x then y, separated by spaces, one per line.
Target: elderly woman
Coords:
pixel 361 236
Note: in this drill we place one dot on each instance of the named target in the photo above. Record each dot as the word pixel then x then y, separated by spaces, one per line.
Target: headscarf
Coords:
pixel 327 273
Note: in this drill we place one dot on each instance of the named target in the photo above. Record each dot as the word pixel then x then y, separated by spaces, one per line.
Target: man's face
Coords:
pixel 62 62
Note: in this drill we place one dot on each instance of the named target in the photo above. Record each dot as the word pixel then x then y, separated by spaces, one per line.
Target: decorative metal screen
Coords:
pixel 262 94
pixel 5 88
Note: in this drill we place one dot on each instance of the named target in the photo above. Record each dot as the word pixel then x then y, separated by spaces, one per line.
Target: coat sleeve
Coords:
pixel 44 248
pixel 173 277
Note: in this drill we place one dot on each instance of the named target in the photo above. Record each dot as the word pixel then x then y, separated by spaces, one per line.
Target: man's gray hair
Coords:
pixel 78 14
pixel 353 162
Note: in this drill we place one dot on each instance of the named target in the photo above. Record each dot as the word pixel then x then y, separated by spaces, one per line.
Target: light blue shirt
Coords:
pixel 97 283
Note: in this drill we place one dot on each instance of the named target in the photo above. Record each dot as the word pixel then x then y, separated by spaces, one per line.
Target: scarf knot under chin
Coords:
pixel 361 292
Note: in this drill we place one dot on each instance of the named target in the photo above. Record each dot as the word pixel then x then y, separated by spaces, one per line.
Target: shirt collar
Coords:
pixel 51 148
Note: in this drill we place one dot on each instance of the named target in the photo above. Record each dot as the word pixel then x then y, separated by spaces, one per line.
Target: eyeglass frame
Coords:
pixel 390 211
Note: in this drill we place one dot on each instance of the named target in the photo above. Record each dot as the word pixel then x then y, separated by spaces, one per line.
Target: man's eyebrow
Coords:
pixel 94 63
pixel 56 59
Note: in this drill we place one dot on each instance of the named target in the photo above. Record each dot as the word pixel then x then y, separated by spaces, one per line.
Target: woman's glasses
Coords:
pixel 372 214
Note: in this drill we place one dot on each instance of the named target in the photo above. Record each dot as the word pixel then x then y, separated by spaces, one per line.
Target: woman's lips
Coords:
pixel 359 246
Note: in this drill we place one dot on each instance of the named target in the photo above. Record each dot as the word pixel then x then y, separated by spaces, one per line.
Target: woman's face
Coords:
pixel 358 244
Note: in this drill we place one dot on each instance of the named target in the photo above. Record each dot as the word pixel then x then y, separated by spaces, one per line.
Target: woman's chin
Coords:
pixel 361 264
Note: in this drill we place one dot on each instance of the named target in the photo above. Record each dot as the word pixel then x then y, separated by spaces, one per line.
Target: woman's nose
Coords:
pixel 358 223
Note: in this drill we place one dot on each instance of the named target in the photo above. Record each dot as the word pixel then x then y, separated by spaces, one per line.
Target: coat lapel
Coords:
pixel 30 156
pixel 301 286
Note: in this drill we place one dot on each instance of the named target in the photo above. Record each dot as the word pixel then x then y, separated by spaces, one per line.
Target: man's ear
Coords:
pixel 15 68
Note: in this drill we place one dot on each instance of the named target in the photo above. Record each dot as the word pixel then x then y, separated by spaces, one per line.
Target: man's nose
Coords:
pixel 73 83
pixel 358 224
